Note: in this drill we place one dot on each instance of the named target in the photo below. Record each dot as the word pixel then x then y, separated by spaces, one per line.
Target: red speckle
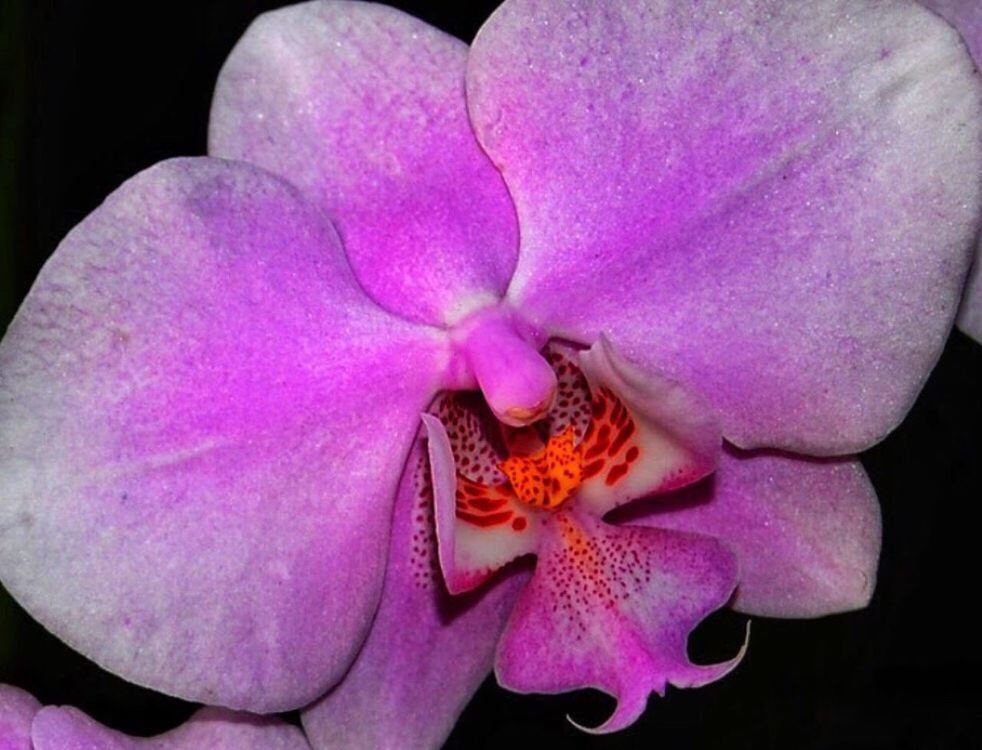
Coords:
pixel 519 524
pixel 494 519
pixel 599 407
pixel 487 505
pixel 622 437
pixel 615 474
pixel 592 469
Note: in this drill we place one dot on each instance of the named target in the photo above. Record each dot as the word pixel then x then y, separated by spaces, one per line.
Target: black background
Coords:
pixel 92 92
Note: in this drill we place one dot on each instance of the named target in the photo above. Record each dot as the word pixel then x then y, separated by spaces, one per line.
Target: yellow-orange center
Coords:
pixel 547 478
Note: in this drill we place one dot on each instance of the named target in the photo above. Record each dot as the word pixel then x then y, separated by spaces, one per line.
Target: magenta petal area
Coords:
pixel 612 608
pixel 806 533
pixel 17 711
pixel 427 651
pixel 773 203
pixel 202 425
pixel 362 106
pixel 65 728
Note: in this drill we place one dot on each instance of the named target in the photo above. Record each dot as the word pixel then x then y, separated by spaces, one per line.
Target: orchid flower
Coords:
pixel 966 16
pixel 611 251
pixel 26 725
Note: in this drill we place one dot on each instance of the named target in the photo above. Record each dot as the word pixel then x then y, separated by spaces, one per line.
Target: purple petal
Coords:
pixel 472 547
pixel 202 425
pixel 17 711
pixel 970 312
pixel 806 533
pixel 57 728
pixel 362 106
pixel 612 608
pixel 427 651
pixel 771 202
pixel 966 17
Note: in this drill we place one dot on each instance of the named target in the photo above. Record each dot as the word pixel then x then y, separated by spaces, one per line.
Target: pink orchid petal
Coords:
pixel 66 728
pixel 362 106
pixel 198 469
pixel 772 202
pixel 468 553
pixel 970 311
pixel 966 17
pixel 612 608
pixel 427 651
pixel 806 533
pixel 668 438
pixel 17 710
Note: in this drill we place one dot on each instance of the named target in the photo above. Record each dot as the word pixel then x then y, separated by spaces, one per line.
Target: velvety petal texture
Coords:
pixel 198 469
pixel 970 312
pixel 65 728
pixel 773 202
pixel 611 608
pixel 966 17
pixel 806 533
pixel 362 106
pixel 17 711
pixel 427 651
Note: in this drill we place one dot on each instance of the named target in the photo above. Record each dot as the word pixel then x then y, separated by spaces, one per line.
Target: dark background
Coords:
pixel 92 92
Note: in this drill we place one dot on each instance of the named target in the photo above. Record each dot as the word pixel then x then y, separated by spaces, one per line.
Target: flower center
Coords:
pixel 587 443
pixel 548 477
pixel 497 351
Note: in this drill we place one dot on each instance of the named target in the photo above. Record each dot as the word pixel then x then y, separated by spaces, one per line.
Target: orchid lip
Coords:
pixel 604 442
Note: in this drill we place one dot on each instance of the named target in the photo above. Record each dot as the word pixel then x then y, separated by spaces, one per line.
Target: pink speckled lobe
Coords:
pixel 468 555
pixel 772 202
pixel 66 728
pixel 17 711
pixel 198 468
pixel 806 533
pixel 427 651
pixel 612 608
pixel 362 106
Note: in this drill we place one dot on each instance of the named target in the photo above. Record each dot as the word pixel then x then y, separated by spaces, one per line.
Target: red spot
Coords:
pixel 487 505
pixel 632 454
pixel 519 524
pixel 599 407
pixel 592 469
pixel 615 474
pixel 622 437
pixel 603 440
pixel 495 519
pixel 618 413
